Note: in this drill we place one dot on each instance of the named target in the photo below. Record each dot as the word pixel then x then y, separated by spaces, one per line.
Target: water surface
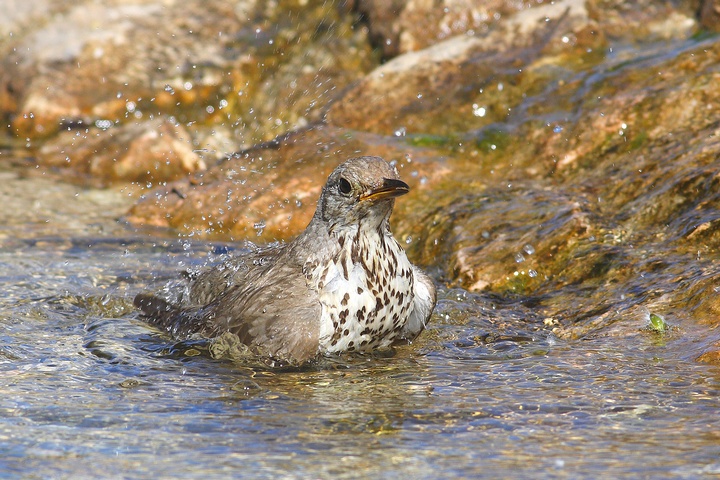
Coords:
pixel 86 389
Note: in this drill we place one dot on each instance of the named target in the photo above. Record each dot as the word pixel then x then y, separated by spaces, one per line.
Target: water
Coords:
pixel 86 389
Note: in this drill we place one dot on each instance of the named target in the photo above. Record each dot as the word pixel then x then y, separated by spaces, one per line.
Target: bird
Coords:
pixel 342 285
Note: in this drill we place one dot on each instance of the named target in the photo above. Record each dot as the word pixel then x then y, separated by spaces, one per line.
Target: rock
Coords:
pixel 625 189
pixel 149 152
pixel 401 27
pixel 644 21
pixel 710 14
pixel 243 67
pixel 465 82
pixel 469 81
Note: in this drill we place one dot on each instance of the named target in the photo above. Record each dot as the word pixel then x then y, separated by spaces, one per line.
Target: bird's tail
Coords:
pixel 178 321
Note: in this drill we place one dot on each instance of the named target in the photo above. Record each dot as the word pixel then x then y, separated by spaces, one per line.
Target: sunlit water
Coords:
pixel 86 389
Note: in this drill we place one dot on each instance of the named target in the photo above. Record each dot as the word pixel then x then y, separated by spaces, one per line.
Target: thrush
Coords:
pixel 343 285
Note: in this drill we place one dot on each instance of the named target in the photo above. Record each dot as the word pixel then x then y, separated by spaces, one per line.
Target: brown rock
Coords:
pixel 153 151
pixel 249 68
pixel 463 83
pixel 710 14
pixel 401 27
pixel 227 70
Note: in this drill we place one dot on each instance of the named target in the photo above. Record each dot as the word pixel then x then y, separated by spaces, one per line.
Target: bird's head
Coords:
pixel 360 193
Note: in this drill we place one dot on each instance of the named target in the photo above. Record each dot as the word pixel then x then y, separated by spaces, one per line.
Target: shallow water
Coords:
pixel 488 391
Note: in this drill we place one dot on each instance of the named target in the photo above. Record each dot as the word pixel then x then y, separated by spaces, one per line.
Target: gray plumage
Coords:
pixel 343 285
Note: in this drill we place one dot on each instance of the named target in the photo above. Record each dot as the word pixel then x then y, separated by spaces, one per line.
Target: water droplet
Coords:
pixel 408 239
pixel 529 249
pixel 478 111
pixel 557 129
pixel 519 258
pixel 169 89
pixel 103 124
pixel 532 273
pixel 400 132
pixel 130 106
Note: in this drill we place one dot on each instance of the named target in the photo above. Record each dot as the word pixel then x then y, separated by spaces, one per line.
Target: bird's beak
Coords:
pixel 391 188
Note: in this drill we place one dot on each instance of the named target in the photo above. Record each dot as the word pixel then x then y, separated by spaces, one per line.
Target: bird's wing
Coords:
pixel 178 321
pixel 270 307
pixel 423 304
pixel 277 312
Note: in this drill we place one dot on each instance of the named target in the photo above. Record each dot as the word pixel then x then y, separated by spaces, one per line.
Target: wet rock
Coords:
pixel 154 151
pixel 634 206
pixel 641 21
pixel 509 240
pixel 401 27
pixel 712 356
pixel 466 82
pixel 469 81
pixel 710 14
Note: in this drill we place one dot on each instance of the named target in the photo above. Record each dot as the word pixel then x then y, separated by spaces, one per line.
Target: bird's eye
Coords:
pixel 344 187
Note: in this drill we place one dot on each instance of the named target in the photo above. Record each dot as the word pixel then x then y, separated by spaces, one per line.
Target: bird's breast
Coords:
pixel 366 293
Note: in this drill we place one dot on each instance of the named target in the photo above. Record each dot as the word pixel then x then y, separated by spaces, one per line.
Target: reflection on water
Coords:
pixel 87 389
